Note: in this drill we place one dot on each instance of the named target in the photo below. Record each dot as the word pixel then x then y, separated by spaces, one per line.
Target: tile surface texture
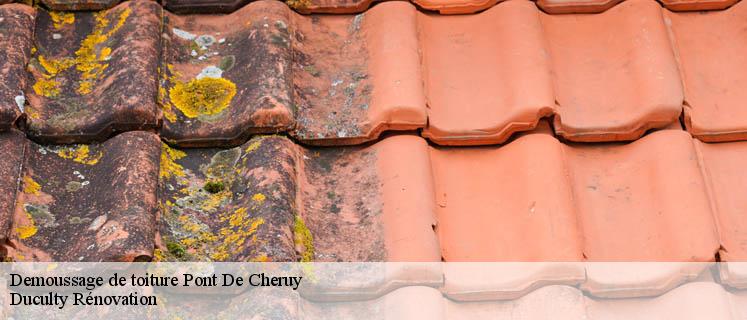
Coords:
pixel 16 37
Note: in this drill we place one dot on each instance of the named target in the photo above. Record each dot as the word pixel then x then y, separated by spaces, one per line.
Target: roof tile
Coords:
pixel 712 67
pixel 13 145
pixel 486 75
pixel 88 202
pixel 315 199
pixel 16 32
pixel 203 6
pixel 576 6
pixel 94 73
pixel 697 5
pixel 615 72
pixel 456 6
pixel 75 5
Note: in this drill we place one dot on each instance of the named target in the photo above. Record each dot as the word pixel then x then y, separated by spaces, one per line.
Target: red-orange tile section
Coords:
pixel 644 201
pixel 456 6
pixel 506 204
pixel 697 5
pixel 486 75
pixel 576 6
pixel 723 167
pixel 615 74
pixel 710 48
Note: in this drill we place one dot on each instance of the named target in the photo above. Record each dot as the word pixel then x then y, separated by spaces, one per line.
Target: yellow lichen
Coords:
pixel 214 200
pixel 49 88
pixel 206 96
pixel 254 145
pixel 298 4
pixel 54 66
pixel 258 197
pixel 240 228
pixel 169 168
pixel 28 229
pixel 303 240
pixel 30 186
pixel 60 19
pixel 158 255
pixel 80 154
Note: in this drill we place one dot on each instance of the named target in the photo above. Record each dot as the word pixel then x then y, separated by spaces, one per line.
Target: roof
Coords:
pixel 519 131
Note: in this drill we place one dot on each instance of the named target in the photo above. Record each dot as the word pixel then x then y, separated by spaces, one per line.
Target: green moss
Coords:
pixel 214 187
pixel 175 249
pixel 303 240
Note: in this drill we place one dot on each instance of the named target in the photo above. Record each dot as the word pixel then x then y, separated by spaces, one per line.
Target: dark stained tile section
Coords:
pixel 329 6
pixel 225 77
pixel 94 73
pixel 13 145
pixel 272 200
pixel 203 6
pixel 75 5
pixel 16 32
pixel 356 76
pixel 234 204
pixel 88 202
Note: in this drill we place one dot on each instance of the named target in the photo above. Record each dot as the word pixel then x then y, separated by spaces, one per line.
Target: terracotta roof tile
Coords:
pixel 203 6
pixel 87 202
pixel 330 6
pixel 615 72
pixel 722 165
pixel 305 204
pixel 486 75
pixel 576 6
pixel 697 5
pixel 16 32
pixel 74 5
pixel 94 73
pixel 13 145
pixel 456 6
pixel 712 70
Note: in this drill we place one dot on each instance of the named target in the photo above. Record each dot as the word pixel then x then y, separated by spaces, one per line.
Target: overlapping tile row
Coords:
pixel 16 37
pixel 271 200
pixel 327 6
pixel 330 80
pixel 93 74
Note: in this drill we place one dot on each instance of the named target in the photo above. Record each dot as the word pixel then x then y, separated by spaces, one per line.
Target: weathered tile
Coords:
pixel 329 6
pixel 486 75
pixel 271 200
pixel 16 32
pixel 722 165
pixel 203 6
pixel 355 76
pixel 75 5
pixel 455 6
pixel 697 5
pixel 615 73
pixel 225 77
pixel 94 73
pixel 576 6
pixel 88 202
pixel 637 205
pixel 14 146
pixel 495 204
pixel 713 71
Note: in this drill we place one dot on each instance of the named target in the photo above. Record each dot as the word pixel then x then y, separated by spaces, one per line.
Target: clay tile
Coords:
pixel 16 32
pixel 723 167
pixel 615 74
pixel 329 6
pixel 13 145
pixel 456 6
pixel 413 302
pixel 638 205
pixel 203 6
pixel 494 204
pixel 549 302
pixel 713 71
pixel 486 75
pixel 75 5
pixel 355 76
pixel 242 60
pixel 576 6
pixel 94 73
pixel 697 5
pixel 88 202
pixel 317 200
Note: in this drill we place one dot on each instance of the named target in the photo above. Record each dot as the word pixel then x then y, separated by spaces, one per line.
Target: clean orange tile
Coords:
pixel 697 5
pixel 615 74
pixel 486 75
pixel 644 201
pixel 723 167
pixel 455 6
pixel 576 6
pixel 710 49
pixel 512 203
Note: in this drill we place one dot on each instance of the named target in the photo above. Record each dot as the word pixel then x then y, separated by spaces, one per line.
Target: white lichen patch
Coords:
pixel 183 34
pixel 20 102
pixel 210 72
pixel 205 40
